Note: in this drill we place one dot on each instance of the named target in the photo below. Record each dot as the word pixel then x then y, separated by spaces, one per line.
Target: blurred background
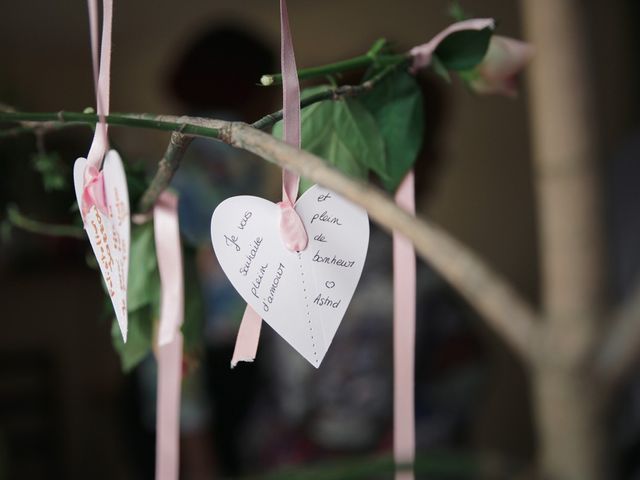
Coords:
pixel 66 408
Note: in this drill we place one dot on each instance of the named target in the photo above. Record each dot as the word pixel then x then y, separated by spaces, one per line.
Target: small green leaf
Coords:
pixel 465 49
pixel 143 287
pixel 143 298
pixel 139 338
pixel 143 295
pixel 52 170
pixel 305 184
pixel 457 12
pixel 397 106
pixel 344 133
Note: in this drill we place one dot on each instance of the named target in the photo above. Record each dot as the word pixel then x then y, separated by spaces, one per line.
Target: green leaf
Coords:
pixel 139 338
pixel 144 300
pixel 143 287
pixel 305 184
pixel 52 170
pixel 457 12
pixel 465 49
pixel 397 106
pixel 342 132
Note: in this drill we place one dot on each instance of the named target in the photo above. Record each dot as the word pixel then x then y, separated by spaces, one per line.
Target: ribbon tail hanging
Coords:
pixel 248 337
pixel 167 237
pixel 404 333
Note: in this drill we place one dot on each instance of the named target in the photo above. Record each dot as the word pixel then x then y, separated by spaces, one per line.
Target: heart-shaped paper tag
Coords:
pixel 302 295
pixel 109 234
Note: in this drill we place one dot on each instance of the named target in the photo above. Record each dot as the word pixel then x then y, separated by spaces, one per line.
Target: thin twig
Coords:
pixel 373 57
pixel 30 225
pixel 179 142
pixel 187 125
pixel 166 169
pixel 335 94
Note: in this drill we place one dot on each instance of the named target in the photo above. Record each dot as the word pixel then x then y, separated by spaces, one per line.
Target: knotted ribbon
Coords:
pixel 169 353
pixel 292 231
pixel 93 193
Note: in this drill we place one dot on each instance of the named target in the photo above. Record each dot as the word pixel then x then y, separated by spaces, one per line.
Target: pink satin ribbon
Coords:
pixel 169 353
pixel 248 337
pixel 404 337
pixel 292 231
pixel 93 193
pixel 404 292
pixel 423 54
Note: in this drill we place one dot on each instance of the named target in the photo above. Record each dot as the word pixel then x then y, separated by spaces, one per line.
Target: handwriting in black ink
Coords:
pixel 232 240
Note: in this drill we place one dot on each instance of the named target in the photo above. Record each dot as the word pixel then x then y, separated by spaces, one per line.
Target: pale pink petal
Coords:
pixel 505 59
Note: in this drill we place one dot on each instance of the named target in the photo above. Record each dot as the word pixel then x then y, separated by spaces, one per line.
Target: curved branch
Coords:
pixel 166 169
pixel 491 295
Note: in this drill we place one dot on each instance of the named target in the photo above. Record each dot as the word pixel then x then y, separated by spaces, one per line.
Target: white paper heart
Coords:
pixel 301 295
pixel 109 235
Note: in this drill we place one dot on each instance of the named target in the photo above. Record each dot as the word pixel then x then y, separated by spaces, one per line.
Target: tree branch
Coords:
pixel 620 349
pixel 166 169
pixel 491 295
pixel 186 125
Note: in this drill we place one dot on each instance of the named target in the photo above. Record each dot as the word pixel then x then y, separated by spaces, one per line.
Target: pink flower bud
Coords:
pixel 498 72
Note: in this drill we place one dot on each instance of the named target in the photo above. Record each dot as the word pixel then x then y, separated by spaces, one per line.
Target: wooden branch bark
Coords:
pixel 492 296
pixel 568 403
pixel 167 167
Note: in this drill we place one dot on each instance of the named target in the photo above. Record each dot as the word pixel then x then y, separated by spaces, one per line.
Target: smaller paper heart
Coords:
pixel 290 290
pixel 109 234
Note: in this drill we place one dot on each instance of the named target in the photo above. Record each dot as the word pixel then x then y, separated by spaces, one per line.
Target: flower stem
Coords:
pixel 372 57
